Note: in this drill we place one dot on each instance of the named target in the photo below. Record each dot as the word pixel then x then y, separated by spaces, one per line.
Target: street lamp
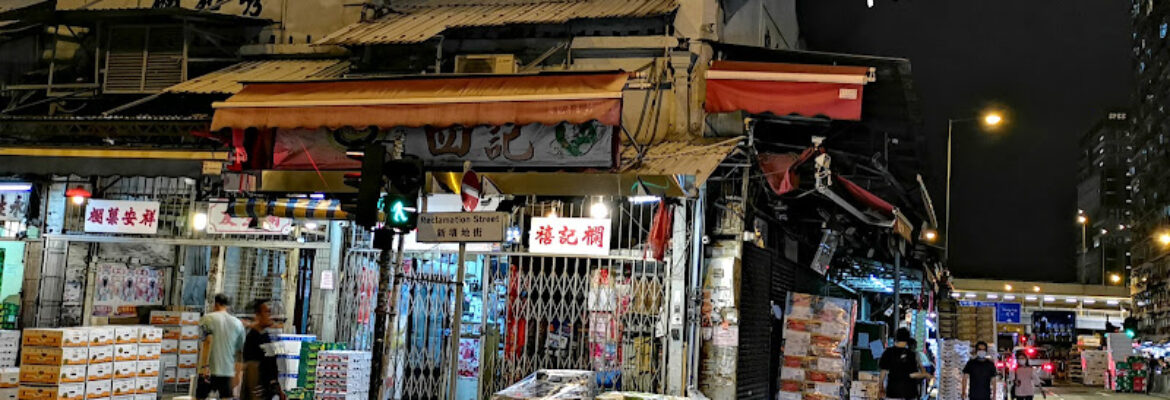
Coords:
pixel 1164 238
pixel 989 120
pixel 1115 278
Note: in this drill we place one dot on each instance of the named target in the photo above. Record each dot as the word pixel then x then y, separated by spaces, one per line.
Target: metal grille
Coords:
pixel 251 273
pixel 358 281
pixel 176 197
pixel 144 59
pixel 419 357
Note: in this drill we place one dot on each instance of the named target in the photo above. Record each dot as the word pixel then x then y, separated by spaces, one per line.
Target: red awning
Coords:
pixel 785 89
pixel 870 200
pixel 438 102
pixel 779 169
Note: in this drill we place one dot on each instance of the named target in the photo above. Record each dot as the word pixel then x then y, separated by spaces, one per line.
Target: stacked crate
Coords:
pixel 1094 367
pixel 102 363
pixel 287 349
pixel 343 375
pixel 948 319
pixel 307 367
pixel 977 324
pixel 9 382
pixel 954 357
pixel 179 345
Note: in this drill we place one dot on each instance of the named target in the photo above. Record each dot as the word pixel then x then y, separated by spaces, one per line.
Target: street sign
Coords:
pixel 461 227
pixel 579 236
pixel 1008 313
pixel 121 216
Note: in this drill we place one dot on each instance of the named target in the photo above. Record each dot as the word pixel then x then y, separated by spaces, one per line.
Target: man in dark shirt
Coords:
pixel 979 375
pixel 900 369
pixel 260 371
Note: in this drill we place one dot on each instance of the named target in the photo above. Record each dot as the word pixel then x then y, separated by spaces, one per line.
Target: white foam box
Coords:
pixel 172 332
pixel 54 355
pixel 149 351
pixel 126 334
pixel 125 369
pixel 100 371
pixel 149 334
pixel 169 375
pixel 9 338
pixel 10 393
pixel 146 396
pixel 52 374
pixel 98 389
pixel 55 337
pixel 168 361
pixel 169 346
pixel 189 318
pixel 123 397
pixel 188 347
pixel 185 375
pixel 9 377
pixel 126 352
pixel 123 387
pixel 143 385
pixel 65 391
pixel 190 332
pixel 101 354
pixel 188 360
pixel 147 368
pixel 101 335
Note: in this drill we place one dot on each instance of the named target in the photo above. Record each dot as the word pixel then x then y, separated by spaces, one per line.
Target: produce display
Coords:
pixel 817 333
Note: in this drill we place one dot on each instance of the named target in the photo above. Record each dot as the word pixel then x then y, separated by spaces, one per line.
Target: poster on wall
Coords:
pixel 121 216
pixel 13 206
pixel 118 285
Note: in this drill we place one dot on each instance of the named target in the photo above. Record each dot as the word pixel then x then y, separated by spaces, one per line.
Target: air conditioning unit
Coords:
pixel 485 64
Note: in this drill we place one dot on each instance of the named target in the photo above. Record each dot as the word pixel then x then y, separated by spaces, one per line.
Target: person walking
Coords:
pixel 979 375
pixel 223 339
pixel 261 381
pixel 901 371
pixel 1025 379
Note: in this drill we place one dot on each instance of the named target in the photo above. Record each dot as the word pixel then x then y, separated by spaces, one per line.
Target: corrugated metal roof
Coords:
pixel 696 157
pixel 228 80
pixel 9 5
pixel 420 20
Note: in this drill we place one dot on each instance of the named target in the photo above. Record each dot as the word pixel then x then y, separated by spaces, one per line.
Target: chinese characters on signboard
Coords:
pixel 121 216
pixel 581 236
pixel 461 227
pixel 219 222
pixel 564 145
pixel 13 206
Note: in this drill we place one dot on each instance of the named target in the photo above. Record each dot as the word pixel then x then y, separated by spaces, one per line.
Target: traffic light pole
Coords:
pixel 388 263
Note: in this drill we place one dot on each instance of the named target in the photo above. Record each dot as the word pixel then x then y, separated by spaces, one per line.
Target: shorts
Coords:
pixel 222 385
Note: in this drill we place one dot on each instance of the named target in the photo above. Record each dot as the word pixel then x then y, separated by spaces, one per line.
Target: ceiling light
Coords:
pixel 1090 301
pixel 1070 300
pixel 200 221
pixel 15 186
pixel 599 210
pixel 1030 298
pixel 1049 298
pixel 969 295
pixel 1112 302
pixel 1009 297
pixel 992 296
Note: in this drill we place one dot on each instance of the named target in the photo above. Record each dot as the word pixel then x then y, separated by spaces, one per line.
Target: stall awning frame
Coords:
pixel 785 89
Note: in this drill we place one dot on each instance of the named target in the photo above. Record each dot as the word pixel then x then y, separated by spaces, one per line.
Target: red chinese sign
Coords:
pixel 582 236
pixel 121 216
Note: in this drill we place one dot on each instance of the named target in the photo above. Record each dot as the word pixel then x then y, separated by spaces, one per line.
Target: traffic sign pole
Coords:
pixel 457 318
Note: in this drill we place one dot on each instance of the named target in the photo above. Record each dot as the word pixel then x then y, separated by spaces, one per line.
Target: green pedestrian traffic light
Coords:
pixel 401 212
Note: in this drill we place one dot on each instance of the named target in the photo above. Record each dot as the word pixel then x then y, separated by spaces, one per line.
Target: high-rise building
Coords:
pixel 1103 200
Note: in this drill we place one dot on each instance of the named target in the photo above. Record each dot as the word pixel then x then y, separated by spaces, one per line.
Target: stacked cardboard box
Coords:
pixel 864 390
pixel 1120 349
pixel 343 375
pixel 1094 367
pixel 948 319
pixel 955 354
pixel 9 383
pixel 179 344
pixel 9 346
pixel 102 363
pixel 307 367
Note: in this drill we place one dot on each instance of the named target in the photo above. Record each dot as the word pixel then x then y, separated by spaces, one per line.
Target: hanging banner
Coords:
pixel 564 145
pixel 13 206
pixel 219 222
pixel 121 216
pixel 580 236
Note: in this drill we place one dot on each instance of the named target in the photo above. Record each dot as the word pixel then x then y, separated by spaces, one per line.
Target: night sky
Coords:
pixel 1056 65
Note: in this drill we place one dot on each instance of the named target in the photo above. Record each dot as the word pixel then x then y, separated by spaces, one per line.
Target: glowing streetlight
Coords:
pixel 930 235
pixel 1164 238
pixel 1115 278
pixel 1007 287
pixel 1036 289
pixel 1081 219
pixel 992 119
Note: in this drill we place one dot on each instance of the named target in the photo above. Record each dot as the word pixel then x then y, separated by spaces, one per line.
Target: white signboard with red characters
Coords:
pixel 121 216
pixel 579 236
pixel 219 222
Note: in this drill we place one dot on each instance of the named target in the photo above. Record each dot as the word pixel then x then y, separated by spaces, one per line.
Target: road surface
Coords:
pixel 1092 393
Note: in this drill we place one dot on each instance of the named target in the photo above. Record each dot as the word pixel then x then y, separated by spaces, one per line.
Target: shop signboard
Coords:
pixel 578 236
pixel 121 216
pixel 459 227
pixel 219 222
pixel 1008 313
pixel 563 145
pixel 13 205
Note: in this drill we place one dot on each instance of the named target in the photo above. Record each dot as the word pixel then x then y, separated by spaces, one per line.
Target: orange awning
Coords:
pixel 547 99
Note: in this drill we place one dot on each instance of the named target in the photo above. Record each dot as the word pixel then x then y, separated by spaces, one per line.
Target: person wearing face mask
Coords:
pixel 979 375
pixel 1024 380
